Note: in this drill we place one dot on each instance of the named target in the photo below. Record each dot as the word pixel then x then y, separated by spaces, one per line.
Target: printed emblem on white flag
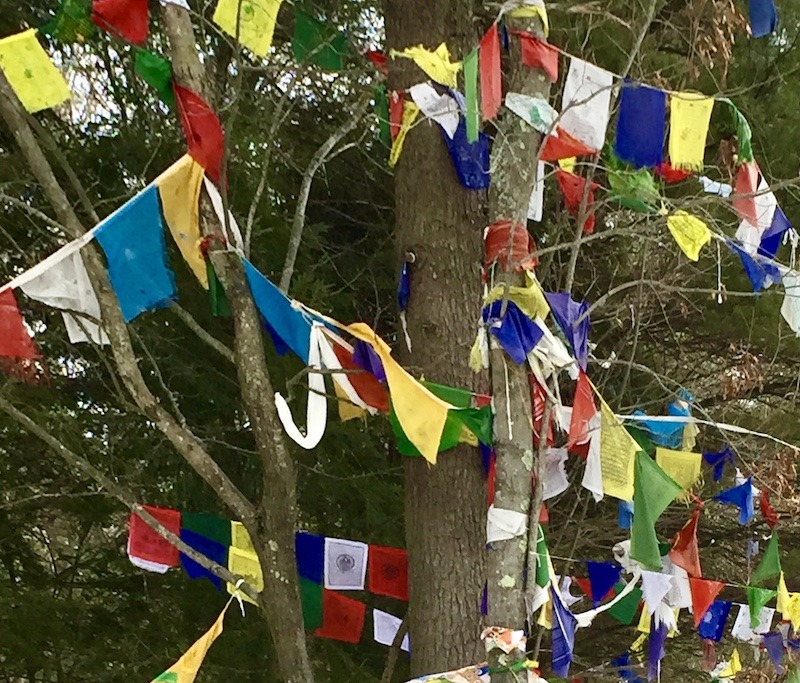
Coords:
pixel 345 564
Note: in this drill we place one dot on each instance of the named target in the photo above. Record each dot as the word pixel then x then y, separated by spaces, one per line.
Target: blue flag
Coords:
pixel 514 331
pixel 471 159
pixel 310 552
pixel 205 546
pixel 713 622
pixel 564 626
pixel 760 272
pixel 772 237
pixel 624 669
pixel 133 242
pixel 567 313
pixel 718 460
pixel 655 648
pixel 742 497
pixel 763 17
pixel 602 577
pixel 641 125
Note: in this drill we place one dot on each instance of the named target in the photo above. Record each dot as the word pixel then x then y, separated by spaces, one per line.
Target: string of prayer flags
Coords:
pixel 156 71
pixel 685 552
pixel 603 576
pixel 388 572
pixel 563 634
pixel 202 130
pixel 689 232
pixel 704 592
pixel 573 188
pixel 146 548
pixel 770 565
pixel 133 241
pixel 472 112
pixel 179 189
pixel 586 102
pixel 342 618
pixel 516 333
pixel 436 64
pixel 345 564
pixel 561 145
pixel 214 551
pixel 126 19
pixel 65 284
pixel 186 668
pixel 491 75
pixel 72 22
pixel 760 272
pixel 718 460
pixel 317 42
pixel 539 54
pixel 641 125
pixel 744 135
pixel 470 159
pixel 742 497
pixel 30 72
pixel 653 492
pixel 712 625
pixel 410 113
pixel 288 323
pixel 250 22
pixel 757 598
pixel 690 115
pixel 573 320
pixel 763 17
pixel 681 466
pixel 421 414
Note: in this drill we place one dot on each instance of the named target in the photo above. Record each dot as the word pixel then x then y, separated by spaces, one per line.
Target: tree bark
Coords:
pixel 441 224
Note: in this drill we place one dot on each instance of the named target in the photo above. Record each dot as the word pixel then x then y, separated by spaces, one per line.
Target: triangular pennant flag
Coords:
pixel 704 592
pixel 202 130
pixel 733 667
pixel 126 19
pixel 561 145
pixel 653 492
pixel 515 332
pixel 624 611
pixel 573 319
pixel 784 599
pixel 186 668
pixel 491 76
pixel 757 598
pixel 685 553
pixel 563 635
pixel 773 644
pixel 251 22
pixel 770 564
pixel 655 587
pixel 602 577
pixel 742 497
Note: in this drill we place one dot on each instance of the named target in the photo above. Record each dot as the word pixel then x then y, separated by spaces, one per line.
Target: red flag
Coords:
pixel 491 480
pixel 671 175
pixel 379 60
pixel 573 187
pixel 145 544
pixel 544 514
pixel 388 572
pixel 396 106
pixel 685 553
pixel 539 54
pixel 522 246
pixel 126 19
pixel 538 400
pixel 769 515
pixel 583 410
pixel 563 147
pixel 704 592
pixel 342 618
pixel 369 389
pixel 17 350
pixel 746 184
pixel 202 130
pixel 491 75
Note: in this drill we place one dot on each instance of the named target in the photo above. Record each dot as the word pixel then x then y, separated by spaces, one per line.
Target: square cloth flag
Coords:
pixel 31 73
pixel 146 544
pixel 388 572
pixel 345 564
pixel 342 618
pixel 310 553
pixel 205 546
pixel 252 22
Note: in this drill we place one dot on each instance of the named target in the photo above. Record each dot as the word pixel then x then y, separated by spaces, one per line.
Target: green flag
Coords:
pixel 770 564
pixel 382 112
pixel 634 189
pixel 471 95
pixel 744 134
pixel 311 602
pixel 756 599
pixel 318 42
pixel 72 23
pixel 211 527
pixel 219 301
pixel 156 72
pixel 625 610
pixel 653 491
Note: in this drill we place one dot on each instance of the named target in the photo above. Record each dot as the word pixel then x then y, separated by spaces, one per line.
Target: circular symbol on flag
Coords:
pixel 390 572
pixel 345 563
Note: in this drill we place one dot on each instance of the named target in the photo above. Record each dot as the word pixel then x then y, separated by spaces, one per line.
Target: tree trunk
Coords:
pixel 441 224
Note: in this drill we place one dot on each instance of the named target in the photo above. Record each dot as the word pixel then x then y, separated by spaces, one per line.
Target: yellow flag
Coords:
pixel 245 564
pixel 682 466
pixel 240 538
pixel 256 22
pixel 617 454
pixel 784 599
pixel 436 64
pixel 793 610
pixel 734 666
pixel 30 72
pixel 690 114
pixel 347 410
pixel 186 668
pixel 530 299
pixel 421 414
pixel 410 113
pixel 568 164
pixel 528 11
pixel 179 189
pixel 689 232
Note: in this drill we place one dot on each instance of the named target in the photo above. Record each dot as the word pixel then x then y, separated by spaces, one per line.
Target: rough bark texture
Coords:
pixel 276 515
pixel 514 157
pixel 442 224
